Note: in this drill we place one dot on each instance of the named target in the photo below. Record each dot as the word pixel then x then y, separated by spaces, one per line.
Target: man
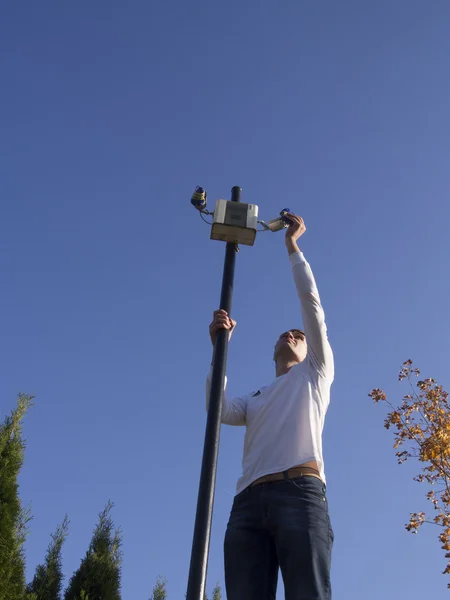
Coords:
pixel 280 515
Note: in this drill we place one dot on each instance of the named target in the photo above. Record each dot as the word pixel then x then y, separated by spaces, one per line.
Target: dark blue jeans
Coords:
pixel 282 524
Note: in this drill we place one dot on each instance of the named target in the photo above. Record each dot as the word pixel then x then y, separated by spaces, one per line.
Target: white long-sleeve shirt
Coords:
pixel 284 420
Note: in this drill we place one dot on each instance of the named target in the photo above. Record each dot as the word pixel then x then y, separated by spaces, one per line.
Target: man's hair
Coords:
pixel 298 331
pixel 295 330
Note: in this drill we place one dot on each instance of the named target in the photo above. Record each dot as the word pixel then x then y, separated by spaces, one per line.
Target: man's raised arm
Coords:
pixel 319 349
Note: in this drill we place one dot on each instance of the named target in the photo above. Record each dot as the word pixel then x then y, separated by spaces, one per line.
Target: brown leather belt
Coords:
pixel 289 474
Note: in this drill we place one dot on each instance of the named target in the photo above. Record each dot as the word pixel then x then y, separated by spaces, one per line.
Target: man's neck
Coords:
pixel 284 366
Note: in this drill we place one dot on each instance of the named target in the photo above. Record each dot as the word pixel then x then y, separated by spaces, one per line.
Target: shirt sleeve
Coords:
pixel 234 410
pixel 319 349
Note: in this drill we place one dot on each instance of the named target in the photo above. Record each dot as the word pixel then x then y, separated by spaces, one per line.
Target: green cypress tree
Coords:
pixel 98 576
pixel 217 593
pixel 13 518
pixel 159 591
pixel 48 578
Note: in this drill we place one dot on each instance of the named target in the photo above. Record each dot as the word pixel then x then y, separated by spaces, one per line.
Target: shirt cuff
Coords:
pixel 296 258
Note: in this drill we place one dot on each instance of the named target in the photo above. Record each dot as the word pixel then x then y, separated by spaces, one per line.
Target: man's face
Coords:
pixel 291 345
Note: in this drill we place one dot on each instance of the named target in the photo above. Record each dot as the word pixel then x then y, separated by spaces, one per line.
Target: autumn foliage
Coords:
pixel 422 431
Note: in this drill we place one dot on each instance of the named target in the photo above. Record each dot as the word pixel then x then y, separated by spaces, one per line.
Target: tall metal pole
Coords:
pixel 205 502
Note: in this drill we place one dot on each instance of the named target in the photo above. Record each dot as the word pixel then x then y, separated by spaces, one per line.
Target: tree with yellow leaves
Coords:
pixel 422 429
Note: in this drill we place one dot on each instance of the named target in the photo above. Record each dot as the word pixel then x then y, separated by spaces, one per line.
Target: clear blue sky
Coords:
pixel 111 113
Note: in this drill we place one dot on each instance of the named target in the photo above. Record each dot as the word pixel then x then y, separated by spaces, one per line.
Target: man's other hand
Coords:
pixel 221 320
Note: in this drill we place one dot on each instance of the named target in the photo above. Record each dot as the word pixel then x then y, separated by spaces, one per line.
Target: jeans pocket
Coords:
pixel 310 486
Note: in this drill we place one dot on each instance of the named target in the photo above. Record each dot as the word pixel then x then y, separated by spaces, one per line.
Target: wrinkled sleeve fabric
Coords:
pixel 234 410
pixel 319 354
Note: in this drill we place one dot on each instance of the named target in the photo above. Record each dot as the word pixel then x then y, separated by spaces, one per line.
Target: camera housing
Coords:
pixel 234 222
